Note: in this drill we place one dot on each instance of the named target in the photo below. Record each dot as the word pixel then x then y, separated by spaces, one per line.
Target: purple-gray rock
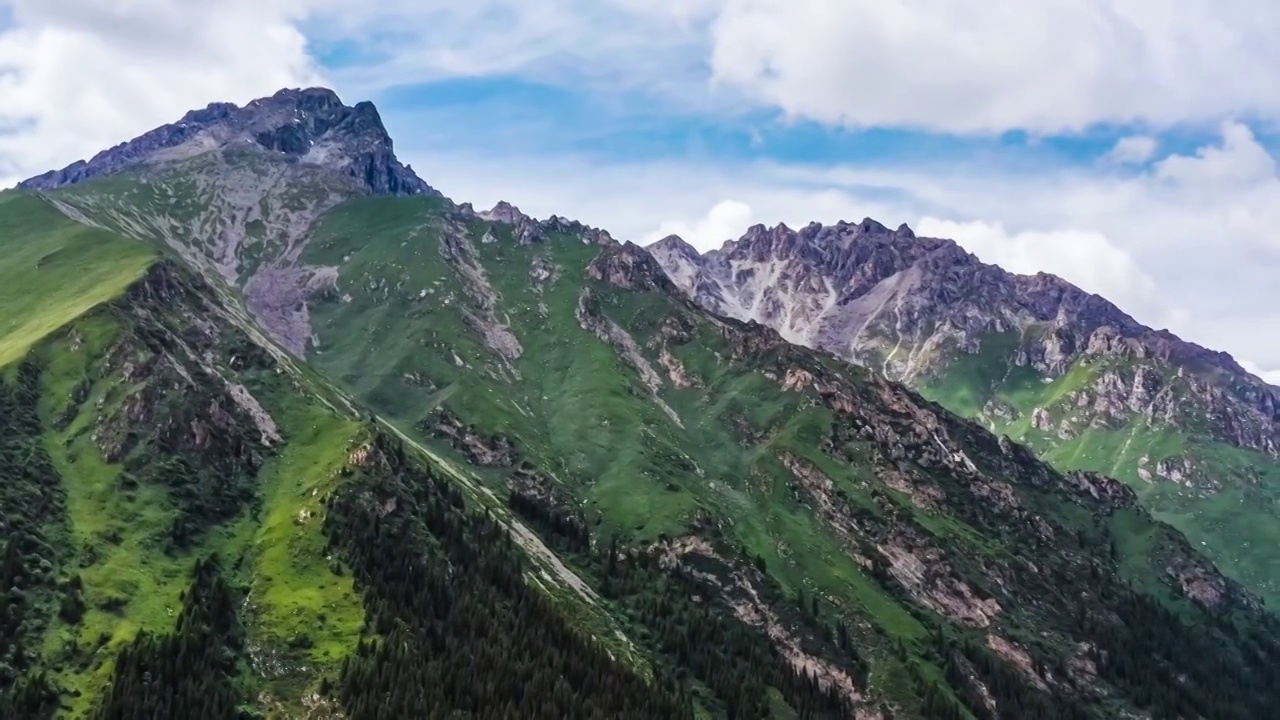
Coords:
pixel 304 125
pixel 908 305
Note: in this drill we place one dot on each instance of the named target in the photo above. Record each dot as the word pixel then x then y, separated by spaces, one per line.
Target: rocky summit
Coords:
pixel 283 437
pixel 1035 357
pixel 310 126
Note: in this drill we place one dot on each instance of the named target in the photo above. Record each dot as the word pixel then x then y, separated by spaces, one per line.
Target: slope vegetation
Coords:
pixel 1033 357
pixel 457 463
pixel 168 549
pixel 571 376
pixel 1098 416
pixel 54 270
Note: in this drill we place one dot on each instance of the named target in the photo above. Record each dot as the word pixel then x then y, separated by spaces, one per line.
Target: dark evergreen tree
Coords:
pixel 190 672
pixel 456 627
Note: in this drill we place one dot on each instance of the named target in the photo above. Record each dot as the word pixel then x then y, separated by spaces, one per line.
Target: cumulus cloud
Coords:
pixel 725 221
pixel 960 66
pixel 984 66
pixel 1238 162
pixel 77 76
pixel 1271 377
pixel 1132 150
pixel 1087 259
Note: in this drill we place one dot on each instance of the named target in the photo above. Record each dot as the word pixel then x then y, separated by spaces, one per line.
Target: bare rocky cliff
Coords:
pixel 310 126
pixel 237 192
pixel 1032 357
pixel 912 306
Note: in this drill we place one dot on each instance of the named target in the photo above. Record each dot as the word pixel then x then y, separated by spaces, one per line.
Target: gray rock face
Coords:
pixel 908 306
pixel 853 288
pixel 306 126
pixel 527 230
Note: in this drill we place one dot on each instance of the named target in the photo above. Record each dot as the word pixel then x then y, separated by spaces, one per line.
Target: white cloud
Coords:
pixel 960 66
pixel 615 45
pixel 1132 150
pixel 77 76
pixel 1239 162
pixel 1087 259
pixel 990 65
pixel 1271 377
pixel 725 221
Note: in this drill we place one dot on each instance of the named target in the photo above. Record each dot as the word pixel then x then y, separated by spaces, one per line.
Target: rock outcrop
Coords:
pixel 310 126
pixel 910 306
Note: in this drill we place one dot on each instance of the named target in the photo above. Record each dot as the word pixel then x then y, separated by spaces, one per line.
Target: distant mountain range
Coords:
pixel 1033 357
pixel 286 433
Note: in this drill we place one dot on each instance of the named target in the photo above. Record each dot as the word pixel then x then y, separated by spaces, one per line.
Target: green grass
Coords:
pixel 130 585
pixel 573 409
pixel 971 379
pixel 117 542
pixel 577 411
pixel 1233 525
pixel 55 270
pixel 1117 453
pixel 398 336
pixel 295 597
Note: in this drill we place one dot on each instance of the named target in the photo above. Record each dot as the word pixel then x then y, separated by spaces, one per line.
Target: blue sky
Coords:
pixel 1129 147
pixel 513 116
pixel 505 114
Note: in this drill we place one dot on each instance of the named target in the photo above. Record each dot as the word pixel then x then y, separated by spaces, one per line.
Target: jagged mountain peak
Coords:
pixel 505 212
pixel 815 238
pixel 848 260
pixel 675 243
pixel 780 276
pixel 847 253
pixel 1031 355
pixel 528 230
pixel 850 267
pixel 307 125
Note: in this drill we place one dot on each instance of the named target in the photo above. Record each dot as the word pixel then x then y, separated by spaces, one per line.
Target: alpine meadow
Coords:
pixel 287 433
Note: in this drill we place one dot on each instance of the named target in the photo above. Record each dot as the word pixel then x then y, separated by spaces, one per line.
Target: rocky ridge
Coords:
pixel 909 306
pixel 1034 357
pixel 864 551
pixel 237 190
pixel 310 126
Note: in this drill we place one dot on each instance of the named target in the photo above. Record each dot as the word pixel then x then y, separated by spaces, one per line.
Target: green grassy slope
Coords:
pixel 1228 508
pixel 54 270
pixel 400 332
pixel 152 463
pixel 146 449
pixel 120 544
pixel 576 410
pixel 711 507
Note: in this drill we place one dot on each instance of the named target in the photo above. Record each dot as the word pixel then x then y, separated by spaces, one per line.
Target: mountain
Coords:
pixel 235 190
pixel 277 443
pixel 309 127
pixel 1033 357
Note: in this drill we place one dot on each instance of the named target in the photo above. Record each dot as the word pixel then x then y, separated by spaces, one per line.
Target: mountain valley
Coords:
pixel 1034 357
pixel 290 434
